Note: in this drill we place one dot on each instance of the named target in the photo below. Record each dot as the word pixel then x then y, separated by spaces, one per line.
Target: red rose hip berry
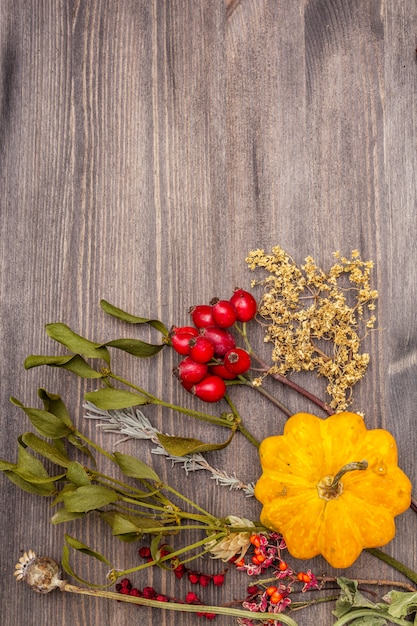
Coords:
pixel 220 370
pixel 224 313
pixel 201 349
pixel 180 337
pixel 245 305
pixel 221 338
pixel 189 372
pixel 210 389
pixel 202 315
pixel 237 361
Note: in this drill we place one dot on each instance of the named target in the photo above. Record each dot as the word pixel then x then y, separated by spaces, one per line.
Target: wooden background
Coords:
pixel 146 147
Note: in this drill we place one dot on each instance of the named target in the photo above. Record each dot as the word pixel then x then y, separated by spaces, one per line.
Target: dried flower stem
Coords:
pixel 174 606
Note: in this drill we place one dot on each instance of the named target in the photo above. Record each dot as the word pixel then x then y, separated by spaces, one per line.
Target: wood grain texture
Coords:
pixel 146 147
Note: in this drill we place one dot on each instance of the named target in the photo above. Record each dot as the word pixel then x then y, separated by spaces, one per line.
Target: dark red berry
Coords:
pixel 201 349
pixel 237 361
pixel 202 315
pixel 145 552
pixel 245 305
pixel 192 598
pixel 135 592
pixel 180 337
pixel 162 598
pixel 210 389
pixel 219 370
pixel 204 580
pixel 193 577
pixel 149 592
pixel 218 580
pixel 221 338
pixel 189 372
pixel 180 570
pixel 224 313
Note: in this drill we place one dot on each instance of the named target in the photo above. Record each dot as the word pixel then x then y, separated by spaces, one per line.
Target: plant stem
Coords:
pixel 400 567
pixel 241 428
pixel 266 394
pixel 174 606
pixel 191 412
pixel 289 383
pixel 368 613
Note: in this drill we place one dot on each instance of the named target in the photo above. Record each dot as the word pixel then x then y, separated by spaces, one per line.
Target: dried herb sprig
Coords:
pixel 314 318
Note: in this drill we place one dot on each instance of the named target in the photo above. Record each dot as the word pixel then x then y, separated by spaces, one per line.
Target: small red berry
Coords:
pixel 237 361
pixel 245 305
pixel 192 598
pixel 180 337
pixel 135 592
pixel 210 389
pixel 145 552
pixel 204 580
pixel 219 370
pixel 193 577
pixel 149 592
pixel 201 349
pixel 218 580
pixel 221 338
pixel 162 598
pixel 224 313
pixel 189 372
pixel 202 315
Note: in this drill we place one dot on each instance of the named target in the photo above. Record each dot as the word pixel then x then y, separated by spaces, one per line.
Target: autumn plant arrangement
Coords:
pixel 328 484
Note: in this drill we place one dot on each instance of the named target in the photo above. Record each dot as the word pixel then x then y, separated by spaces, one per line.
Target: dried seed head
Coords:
pixel 40 573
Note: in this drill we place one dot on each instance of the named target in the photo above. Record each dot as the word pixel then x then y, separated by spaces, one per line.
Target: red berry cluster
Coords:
pixel 209 349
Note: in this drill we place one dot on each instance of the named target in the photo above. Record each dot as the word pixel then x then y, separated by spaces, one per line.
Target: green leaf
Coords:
pixel 73 363
pixel 47 424
pixel 66 489
pixel 133 467
pixel 181 446
pixel 81 547
pixel 132 319
pixel 77 475
pixel 29 464
pixel 350 598
pixel 75 343
pixel 136 347
pixel 130 528
pixel 400 603
pixel 5 465
pixel 89 497
pixel 24 485
pixel 62 516
pixel 42 447
pixel 109 398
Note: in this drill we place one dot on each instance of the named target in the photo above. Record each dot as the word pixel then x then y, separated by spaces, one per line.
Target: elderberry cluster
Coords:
pixel 211 356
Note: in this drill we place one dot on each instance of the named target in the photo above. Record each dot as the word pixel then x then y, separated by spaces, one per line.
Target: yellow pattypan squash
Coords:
pixel 331 487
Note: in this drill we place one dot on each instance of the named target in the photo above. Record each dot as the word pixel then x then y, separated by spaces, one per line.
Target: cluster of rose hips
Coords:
pixel 211 356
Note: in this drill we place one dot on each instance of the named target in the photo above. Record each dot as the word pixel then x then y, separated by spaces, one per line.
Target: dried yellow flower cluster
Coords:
pixel 313 317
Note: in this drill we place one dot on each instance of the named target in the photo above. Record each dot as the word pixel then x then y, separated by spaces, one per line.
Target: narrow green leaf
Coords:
pixel 47 450
pixel 133 467
pixel 132 319
pixel 181 446
pixel 24 485
pixel 62 516
pixel 130 528
pixel 136 347
pixel 88 498
pixel 65 562
pixel 73 363
pixel 109 398
pixel 76 343
pixel 66 489
pixel 29 464
pixel 82 547
pixel 5 465
pixel 39 480
pixel 47 424
pixel 77 475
